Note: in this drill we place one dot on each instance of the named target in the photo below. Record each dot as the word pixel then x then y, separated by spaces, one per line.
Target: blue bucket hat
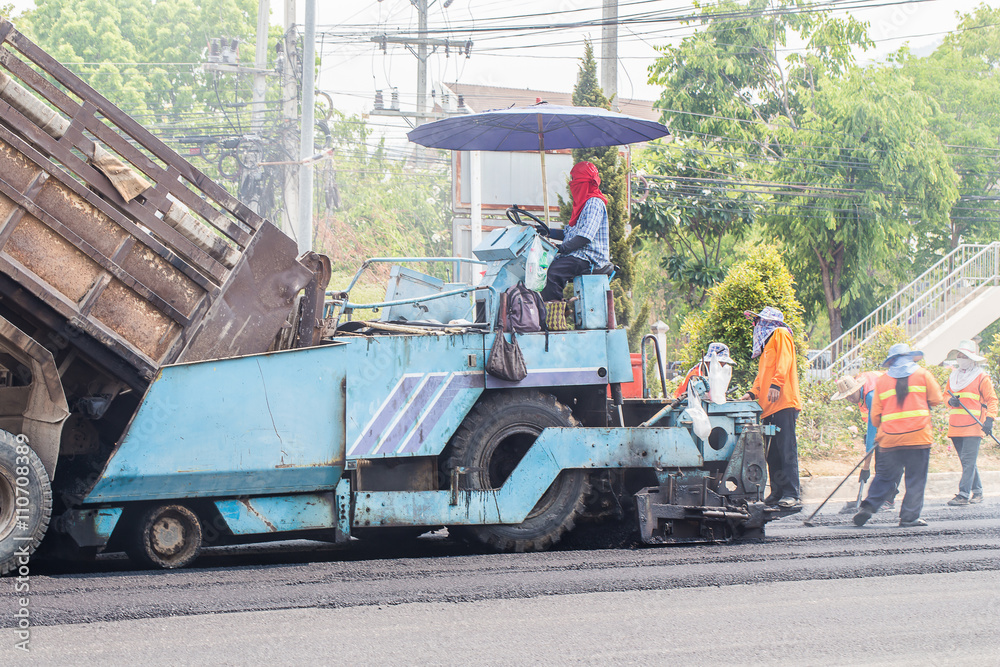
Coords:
pixel 902 361
pixel 721 351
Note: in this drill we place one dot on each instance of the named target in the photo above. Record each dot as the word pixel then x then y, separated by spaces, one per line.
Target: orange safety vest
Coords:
pixel 981 399
pixel 913 415
pixel 972 398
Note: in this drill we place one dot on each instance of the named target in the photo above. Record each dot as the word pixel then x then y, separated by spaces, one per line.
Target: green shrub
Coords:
pixel 760 279
pixel 826 428
pixel 874 352
pixel 992 363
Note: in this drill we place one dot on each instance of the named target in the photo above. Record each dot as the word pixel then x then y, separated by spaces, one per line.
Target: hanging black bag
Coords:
pixel 506 361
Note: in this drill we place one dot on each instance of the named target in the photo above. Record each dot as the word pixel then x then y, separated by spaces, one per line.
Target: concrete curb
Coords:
pixel 939 485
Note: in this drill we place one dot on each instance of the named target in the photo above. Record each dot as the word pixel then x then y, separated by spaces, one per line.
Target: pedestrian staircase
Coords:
pixel 956 298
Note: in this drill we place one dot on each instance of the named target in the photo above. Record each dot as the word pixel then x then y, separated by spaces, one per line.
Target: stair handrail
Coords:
pixel 934 291
pixel 878 317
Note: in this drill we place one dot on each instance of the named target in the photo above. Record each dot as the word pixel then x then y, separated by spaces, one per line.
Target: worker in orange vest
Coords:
pixel 861 390
pixel 970 387
pixel 776 389
pixel 901 410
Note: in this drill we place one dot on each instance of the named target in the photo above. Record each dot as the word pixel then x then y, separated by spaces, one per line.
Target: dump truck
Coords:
pixel 173 374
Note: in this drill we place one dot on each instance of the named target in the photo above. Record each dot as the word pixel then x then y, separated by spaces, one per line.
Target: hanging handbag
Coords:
pixel 506 361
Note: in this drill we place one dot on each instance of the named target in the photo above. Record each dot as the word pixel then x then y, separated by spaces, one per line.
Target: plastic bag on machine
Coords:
pixel 699 418
pixel 537 265
pixel 719 376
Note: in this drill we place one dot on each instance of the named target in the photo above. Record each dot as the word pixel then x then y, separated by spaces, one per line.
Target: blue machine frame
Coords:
pixel 270 439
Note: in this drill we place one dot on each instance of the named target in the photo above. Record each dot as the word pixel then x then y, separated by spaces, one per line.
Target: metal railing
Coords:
pixel 925 303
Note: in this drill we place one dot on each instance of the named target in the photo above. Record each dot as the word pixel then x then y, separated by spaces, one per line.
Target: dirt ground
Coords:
pixel 943 459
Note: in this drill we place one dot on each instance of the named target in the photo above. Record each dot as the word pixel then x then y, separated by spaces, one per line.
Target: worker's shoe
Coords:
pixel 789 502
pixel 889 505
pixel 958 501
pixel 772 499
pixel 976 498
pixel 916 523
pixel 861 518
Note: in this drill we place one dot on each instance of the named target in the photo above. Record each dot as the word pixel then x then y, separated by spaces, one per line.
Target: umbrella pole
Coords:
pixel 545 183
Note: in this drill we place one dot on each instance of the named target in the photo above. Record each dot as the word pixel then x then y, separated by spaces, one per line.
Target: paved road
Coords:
pixel 827 594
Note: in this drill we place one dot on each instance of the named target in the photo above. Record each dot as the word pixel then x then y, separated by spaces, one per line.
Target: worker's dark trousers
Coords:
pixel 890 465
pixel 562 270
pixel 783 454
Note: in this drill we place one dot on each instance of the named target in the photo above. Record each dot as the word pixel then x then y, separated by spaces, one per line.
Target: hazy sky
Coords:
pixel 519 57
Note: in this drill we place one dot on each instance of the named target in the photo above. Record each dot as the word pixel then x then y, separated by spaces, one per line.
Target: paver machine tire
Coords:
pixel 166 536
pixel 491 441
pixel 25 501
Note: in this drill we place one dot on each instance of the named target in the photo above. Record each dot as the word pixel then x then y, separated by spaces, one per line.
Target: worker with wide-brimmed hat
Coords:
pixel 776 389
pixel 860 389
pixel 901 410
pixel 972 392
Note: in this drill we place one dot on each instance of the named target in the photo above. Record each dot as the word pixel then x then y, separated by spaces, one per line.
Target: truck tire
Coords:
pixel 491 441
pixel 25 502
pixel 166 536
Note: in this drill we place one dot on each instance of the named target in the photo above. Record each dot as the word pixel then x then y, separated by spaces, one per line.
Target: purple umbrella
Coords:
pixel 537 127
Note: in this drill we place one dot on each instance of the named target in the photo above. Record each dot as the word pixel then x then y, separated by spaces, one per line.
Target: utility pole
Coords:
pixel 290 113
pixel 609 52
pixel 303 233
pixel 421 6
pixel 260 63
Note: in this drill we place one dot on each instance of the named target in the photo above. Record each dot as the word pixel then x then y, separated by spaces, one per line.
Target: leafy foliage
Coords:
pixel 139 53
pixel 728 80
pixel 962 76
pixel 689 203
pixel 866 172
pixel 992 364
pixel 874 352
pixel 760 279
pixel 385 210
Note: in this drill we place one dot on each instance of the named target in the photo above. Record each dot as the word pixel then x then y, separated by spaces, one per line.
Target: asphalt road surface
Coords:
pixel 829 594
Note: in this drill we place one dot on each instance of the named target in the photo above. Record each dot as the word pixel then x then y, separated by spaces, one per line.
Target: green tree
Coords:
pixel 691 202
pixel 866 171
pixel 962 76
pixel 614 184
pixel 759 279
pixel 142 55
pixel 730 79
pixel 385 209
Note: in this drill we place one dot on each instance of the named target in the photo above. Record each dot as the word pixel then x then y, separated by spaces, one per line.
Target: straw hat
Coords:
pixel 969 349
pixel 846 385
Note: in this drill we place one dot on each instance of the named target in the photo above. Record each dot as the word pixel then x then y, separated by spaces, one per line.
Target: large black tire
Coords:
pixel 166 536
pixel 494 437
pixel 25 502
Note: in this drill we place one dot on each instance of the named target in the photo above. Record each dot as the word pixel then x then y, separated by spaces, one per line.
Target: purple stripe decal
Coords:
pixel 439 408
pixel 550 379
pixel 368 439
pixel 410 414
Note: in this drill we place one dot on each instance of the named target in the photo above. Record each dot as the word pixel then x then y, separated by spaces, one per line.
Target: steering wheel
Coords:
pixel 514 215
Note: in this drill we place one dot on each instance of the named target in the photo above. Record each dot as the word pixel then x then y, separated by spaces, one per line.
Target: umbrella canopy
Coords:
pixel 537 127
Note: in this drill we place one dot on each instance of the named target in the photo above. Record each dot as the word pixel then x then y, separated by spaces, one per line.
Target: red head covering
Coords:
pixel 584 182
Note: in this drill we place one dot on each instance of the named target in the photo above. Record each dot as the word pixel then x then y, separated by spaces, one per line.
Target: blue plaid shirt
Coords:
pixel 592 224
